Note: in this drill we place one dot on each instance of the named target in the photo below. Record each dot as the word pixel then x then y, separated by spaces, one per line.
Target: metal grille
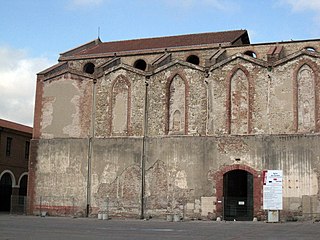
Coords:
pixel 238 196
pixel 18 204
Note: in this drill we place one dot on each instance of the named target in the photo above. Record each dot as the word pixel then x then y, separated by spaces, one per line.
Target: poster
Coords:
pixel 272 190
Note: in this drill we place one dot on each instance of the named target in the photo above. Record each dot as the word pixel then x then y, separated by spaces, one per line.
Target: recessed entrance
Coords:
pixel 238 195
pixel 5 192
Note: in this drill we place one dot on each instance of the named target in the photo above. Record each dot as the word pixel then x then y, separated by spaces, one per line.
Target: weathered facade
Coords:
pixel 182 124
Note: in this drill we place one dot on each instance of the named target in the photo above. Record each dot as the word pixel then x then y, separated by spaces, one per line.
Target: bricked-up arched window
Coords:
pixel 239 101
pixel 306 99
pixel 177 111
pixel 177 106
pixel 120 106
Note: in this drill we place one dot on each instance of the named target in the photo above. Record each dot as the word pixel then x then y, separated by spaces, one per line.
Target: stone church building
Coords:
pixel 181 125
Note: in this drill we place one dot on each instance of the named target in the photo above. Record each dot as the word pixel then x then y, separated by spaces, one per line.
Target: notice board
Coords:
pixel 272 190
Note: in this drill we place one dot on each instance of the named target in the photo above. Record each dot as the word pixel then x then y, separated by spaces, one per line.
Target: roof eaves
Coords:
pixel 81 48
pixel 244 34
pixel 146 51
pixel 52 68
pixel 15 126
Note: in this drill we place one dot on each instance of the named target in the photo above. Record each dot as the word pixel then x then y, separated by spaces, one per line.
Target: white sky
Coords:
pixel 34 32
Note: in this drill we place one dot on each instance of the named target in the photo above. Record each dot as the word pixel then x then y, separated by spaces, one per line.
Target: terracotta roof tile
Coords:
pixel 15 126
pixel 166 42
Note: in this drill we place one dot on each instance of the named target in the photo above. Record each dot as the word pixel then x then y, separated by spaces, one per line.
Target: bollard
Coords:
pixel 169 218
pixel 176 217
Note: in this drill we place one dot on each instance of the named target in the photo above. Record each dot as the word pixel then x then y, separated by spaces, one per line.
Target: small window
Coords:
pixel 140 64
pixel 251 54
pixel 310 49
pixel 8 148
pixel 193 59
pixel 89 68
pixel 26 150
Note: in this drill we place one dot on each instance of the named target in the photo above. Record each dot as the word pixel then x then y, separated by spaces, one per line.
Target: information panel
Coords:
pixel 272 190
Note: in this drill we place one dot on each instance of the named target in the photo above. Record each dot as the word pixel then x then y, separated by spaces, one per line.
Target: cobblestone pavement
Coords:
pixel 32 227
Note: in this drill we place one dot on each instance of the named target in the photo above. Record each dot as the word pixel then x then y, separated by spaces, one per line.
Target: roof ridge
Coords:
pixel 174 36
pixel 163 42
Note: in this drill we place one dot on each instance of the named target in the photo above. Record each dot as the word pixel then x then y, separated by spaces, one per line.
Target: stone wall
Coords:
pixel 181 173
pixel 174 130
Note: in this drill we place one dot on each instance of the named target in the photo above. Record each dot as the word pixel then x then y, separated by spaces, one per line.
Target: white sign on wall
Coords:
pixel 272 190
pixel 273 178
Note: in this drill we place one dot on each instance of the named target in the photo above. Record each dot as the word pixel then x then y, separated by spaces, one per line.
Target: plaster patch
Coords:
pixel 181 180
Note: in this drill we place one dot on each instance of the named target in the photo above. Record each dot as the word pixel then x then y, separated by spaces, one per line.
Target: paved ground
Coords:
pixel 32 227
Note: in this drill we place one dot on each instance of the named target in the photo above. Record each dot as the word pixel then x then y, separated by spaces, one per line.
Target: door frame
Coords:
pixel 257 188
pixel 231 200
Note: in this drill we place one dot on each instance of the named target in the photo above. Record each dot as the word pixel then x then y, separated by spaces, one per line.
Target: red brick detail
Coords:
pixel 31 193
pixel 257 187
pixel 38 108
pixel 58 210
pixel 314 68
pixel 250 96
pixel 112 95
pixel 167 115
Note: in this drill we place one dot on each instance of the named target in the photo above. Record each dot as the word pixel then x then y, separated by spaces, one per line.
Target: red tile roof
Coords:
pixel 164 42
pixel 15 126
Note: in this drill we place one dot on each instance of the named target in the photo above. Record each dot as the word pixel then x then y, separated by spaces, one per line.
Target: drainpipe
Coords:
pixel 209 99
pixel 91 136
pixel 268 101
pixel 143 155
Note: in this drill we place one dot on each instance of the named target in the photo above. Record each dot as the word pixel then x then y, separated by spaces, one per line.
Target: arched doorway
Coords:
pixel 23 186
pixel 248 172
pixel 5 192
pixel 238 195
pixel 23 192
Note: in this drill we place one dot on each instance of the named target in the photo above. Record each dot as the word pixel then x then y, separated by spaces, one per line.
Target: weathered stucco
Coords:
pixel 178 170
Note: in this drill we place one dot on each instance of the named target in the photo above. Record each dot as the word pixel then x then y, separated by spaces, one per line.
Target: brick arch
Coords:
pixel 314 68
pixel 250 97
pixel 167 114
pixel 257 187
pixel 112 95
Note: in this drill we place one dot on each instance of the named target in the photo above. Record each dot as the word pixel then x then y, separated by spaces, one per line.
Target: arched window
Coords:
pixel 251 54
pixel 23 185
pixel 140 64
pixel 6 191
pixel 89 68
pixel 193 59
pixel 310 49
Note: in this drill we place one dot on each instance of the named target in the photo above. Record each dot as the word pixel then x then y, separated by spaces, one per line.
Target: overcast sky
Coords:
pixel 34 32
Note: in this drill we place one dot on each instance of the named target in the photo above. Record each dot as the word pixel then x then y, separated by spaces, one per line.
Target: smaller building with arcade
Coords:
pixel 14 157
